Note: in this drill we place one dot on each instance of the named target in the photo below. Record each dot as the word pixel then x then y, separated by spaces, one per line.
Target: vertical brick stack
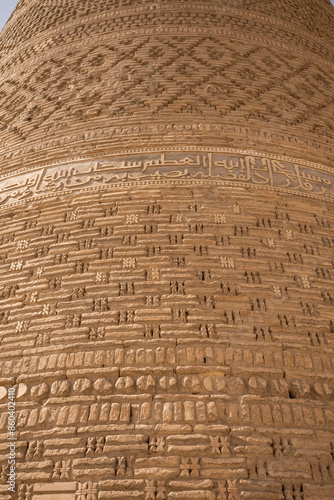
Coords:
pixel 166 249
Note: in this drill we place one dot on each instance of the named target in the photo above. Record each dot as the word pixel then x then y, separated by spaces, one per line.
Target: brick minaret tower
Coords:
pixel 167 249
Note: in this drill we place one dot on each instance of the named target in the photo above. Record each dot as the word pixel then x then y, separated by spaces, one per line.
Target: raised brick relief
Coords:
pixel 166 249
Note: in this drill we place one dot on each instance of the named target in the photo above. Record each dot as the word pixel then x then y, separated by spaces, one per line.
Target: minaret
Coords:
pixel 167 250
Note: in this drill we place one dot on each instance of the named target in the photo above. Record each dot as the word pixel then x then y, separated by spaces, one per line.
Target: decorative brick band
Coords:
pixel 223 167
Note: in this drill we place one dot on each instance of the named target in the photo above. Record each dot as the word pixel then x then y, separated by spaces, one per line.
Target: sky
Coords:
pixel 7 7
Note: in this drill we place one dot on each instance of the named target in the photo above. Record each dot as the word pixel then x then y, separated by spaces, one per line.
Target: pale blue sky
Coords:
pixel 7 7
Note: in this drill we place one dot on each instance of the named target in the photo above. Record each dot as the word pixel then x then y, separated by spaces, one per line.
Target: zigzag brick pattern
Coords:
pixel 166 249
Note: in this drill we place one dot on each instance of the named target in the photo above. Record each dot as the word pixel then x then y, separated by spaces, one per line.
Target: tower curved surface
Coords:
pixel 166 248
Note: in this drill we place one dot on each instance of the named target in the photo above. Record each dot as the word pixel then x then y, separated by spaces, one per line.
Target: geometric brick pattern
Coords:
pixel 218 75
pixel 176 341
pixel 169 336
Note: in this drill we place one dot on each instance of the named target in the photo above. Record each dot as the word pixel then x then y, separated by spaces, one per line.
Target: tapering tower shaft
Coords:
pixel 166 249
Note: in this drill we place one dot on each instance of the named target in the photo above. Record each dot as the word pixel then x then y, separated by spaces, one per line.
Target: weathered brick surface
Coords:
pixel 166 249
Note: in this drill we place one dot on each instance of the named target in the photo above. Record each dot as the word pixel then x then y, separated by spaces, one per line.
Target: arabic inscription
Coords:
pixel 221 167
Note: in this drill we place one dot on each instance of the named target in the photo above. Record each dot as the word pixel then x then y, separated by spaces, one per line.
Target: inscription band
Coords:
pixel 220 167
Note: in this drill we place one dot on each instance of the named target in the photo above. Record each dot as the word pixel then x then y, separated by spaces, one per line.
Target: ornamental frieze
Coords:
pixel 230 168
